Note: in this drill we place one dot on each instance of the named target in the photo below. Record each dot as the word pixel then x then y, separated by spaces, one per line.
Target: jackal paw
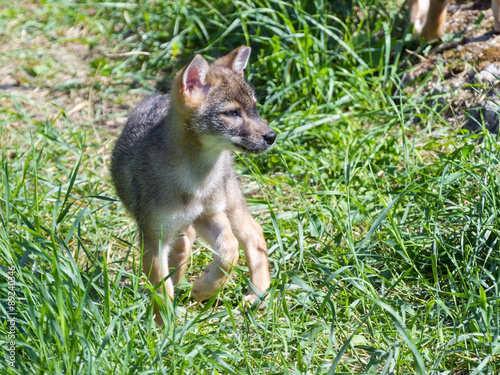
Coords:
pixel 205 287
pixel 249 300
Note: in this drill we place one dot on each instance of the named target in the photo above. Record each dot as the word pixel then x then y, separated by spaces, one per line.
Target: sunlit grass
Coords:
pixel 382 230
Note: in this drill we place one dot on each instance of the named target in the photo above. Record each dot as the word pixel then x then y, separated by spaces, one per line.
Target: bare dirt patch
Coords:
pixel 40 78
pixel 464 67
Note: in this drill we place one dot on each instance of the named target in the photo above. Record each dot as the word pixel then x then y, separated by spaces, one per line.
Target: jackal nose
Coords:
pixel 270 137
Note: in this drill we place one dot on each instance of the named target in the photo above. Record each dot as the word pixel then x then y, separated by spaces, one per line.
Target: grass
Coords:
pixel 382 221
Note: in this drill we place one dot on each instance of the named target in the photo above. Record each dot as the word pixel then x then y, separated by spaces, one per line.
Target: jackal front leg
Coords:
pixel 251 237
pixel 216 230
pixel 179 254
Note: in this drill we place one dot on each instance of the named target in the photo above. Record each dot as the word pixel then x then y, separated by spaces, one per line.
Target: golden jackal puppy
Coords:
pixel 172 169
pixel 429 17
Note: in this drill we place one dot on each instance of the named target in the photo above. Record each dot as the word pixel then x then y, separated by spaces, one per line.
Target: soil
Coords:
pixel 40 78
pixel 465 67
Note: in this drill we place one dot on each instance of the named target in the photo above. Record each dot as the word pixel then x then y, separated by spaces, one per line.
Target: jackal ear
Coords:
pixel 194 75
pixel 236 60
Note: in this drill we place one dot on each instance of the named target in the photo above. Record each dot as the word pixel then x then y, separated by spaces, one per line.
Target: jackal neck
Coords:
pixel 197 159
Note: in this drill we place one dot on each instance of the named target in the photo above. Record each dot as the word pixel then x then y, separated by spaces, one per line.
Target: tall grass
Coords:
pixel 382 222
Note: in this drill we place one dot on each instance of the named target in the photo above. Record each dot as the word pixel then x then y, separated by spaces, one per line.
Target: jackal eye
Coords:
pixel 232 113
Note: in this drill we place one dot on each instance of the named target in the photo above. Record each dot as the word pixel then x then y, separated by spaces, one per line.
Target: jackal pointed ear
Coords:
pixel 236 60
pixel 194 75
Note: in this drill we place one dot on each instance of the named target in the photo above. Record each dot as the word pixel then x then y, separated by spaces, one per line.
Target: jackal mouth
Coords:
pixel 252 149
pixel 255 146
pixel 251 145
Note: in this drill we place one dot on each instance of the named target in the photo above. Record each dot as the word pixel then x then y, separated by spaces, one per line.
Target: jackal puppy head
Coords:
pixel 221 106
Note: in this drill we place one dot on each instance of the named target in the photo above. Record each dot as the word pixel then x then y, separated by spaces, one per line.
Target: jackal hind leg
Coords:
pixel 436 19
pixel 495 7
pixel 155 266
pixel 418 14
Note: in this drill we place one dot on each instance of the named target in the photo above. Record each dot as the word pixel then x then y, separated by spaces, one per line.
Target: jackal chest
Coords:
pixel 190 191
pixel 175 218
